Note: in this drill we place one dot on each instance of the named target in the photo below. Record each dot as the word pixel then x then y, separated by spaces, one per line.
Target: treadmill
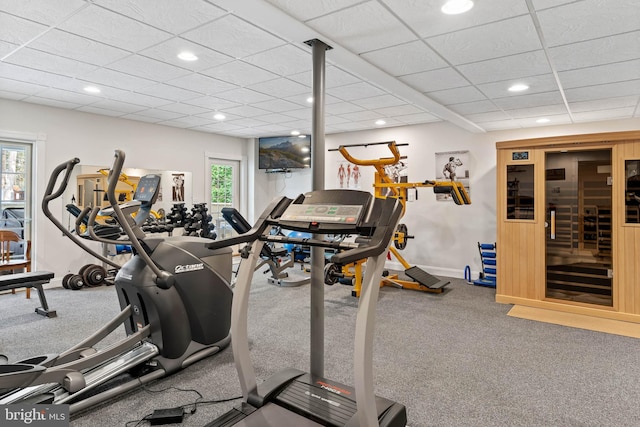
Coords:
pixel 292 397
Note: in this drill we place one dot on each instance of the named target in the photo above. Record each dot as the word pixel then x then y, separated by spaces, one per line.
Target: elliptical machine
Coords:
pixel 176 306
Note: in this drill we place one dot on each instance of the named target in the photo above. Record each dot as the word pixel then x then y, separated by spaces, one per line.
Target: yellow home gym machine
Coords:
pixel 385 186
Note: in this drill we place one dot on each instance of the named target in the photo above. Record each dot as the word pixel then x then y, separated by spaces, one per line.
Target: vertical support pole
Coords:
pixel 317 169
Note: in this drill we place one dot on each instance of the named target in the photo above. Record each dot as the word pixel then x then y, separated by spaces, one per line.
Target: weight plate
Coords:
pixel 75 282
pixel 400 238
pixel 65 280
pixel 330 274
pixel 94 275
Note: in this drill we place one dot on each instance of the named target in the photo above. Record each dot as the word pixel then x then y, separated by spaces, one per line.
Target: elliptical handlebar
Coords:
pixel 163 279
pixel 50 195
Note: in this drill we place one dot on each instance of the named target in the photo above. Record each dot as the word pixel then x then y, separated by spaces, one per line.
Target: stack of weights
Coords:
pixel 160 225
pixel 198 223
pixel 178 215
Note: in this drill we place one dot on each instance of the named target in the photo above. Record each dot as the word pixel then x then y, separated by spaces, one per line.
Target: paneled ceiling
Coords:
pixel 400 61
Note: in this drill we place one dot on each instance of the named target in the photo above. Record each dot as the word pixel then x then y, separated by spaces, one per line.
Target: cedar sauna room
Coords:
pixel 568 232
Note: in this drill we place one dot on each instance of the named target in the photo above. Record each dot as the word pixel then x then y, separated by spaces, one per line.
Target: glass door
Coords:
pixel 225 183
pixel 578 226
pixel 15 202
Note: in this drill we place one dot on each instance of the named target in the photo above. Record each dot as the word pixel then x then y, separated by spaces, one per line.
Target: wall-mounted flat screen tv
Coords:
pixel 282 153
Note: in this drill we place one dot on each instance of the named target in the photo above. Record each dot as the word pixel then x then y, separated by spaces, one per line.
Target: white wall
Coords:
pixel 93 139
pixel 446 235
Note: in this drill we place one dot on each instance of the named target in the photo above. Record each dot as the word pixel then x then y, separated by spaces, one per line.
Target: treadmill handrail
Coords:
pixel 50 195
pixel 272 211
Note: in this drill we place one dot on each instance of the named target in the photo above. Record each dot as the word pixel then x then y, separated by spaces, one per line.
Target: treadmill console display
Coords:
pixel 147 189
pixel 344 214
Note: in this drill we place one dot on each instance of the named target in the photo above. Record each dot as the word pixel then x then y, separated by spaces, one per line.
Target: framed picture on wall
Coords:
pixel 452 166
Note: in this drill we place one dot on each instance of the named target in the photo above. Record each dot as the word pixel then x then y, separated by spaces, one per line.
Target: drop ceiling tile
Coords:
pixel 227 117
pixel 546 4
pixel 134 98
pixel 71 46
pixel 363 27
pixel 184 109
pixel 312 9
pixel 334 120
pixel 492 116
pixel 334 77
pixel 509 37
pixel 175 124
pixel 275 118
pixel 355 91
pixel 590 116
pixel 148 68
pixel 605 91
pixel 507 68
pixel 240 73
pixel 350 126
pixel 234 37
pixel 271 129
pixel 211 102
pixel 245 111
pixel 20 87
pixel 537 84
pixel 342 108
pixel 526 101
pixel 169 15
pixel 281 87
pixel 14 96
pixel 425 17
pixel 106 77
pixel 219 127
pixel 473 107
pixel 43 61
pixel 18 31
pixel 501 125
pixel 362 115
pixel 100 24
pixel 605 104
pixel 602 74
pixel 276 105
pixel 303 114
pixel 554 120
pixel 302 126
pixel 202 84
pixel 51 102
pixel 100 111
pixel 283 60
pixel 172 93
pixel 42 11
pixel 301 100
pixel 111 104
pixel 6 48
pixel 618 48
pixel 244 96
pixel 246 122
pixel 400 110
pixel 380 101
pixel 457 95
pixel 537 112
pixel 588 19
pixel 431 81
pixel 191 121
pixel 168 51
pixel 67 96
pixel 407 58
pixel 140 118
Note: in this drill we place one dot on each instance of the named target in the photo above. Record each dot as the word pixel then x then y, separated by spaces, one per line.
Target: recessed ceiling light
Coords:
pixel 92 89
pixel 310 100
pixel 302 136
pixel 187 56
pixel 295 132
pixel 518 87
pixel 454 7
pixel 219 116
pixel 380 122
pixel 543 120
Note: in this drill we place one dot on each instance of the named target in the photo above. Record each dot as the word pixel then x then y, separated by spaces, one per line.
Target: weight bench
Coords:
pixel 32 279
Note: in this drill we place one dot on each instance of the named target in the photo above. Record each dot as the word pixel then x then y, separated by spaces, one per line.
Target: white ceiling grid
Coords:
pixel 401 61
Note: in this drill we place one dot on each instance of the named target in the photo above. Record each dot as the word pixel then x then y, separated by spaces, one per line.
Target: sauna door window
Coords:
pixel 520 196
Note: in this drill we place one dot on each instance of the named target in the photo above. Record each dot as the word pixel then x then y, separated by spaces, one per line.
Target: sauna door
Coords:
pixel 578 226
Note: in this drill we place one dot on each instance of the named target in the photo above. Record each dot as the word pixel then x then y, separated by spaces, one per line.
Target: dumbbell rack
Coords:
pixel 488 260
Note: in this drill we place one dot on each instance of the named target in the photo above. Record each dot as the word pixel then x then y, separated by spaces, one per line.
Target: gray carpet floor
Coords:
pixel 454 359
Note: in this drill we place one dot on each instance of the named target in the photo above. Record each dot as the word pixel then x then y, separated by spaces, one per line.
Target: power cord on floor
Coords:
pixel 175 415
